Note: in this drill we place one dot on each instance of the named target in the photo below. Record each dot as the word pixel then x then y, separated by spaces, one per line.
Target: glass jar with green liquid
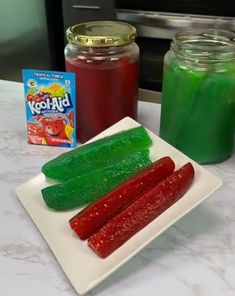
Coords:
pixel 198 96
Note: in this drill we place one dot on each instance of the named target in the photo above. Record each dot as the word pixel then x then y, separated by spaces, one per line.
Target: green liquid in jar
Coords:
pixel 198 109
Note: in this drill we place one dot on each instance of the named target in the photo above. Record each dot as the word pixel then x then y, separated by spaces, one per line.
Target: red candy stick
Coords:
pixel 140 213
pixel 93 217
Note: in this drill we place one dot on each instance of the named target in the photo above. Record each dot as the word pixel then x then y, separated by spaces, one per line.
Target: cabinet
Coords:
pixel 77 11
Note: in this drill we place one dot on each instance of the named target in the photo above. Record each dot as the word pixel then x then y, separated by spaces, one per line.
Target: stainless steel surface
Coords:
pixel 165 25
pixel 93 7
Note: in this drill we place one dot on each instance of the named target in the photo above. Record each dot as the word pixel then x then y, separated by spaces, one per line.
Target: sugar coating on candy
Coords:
pixel 99 153
pixel 140 213
pixel 93 217
pixel 86 188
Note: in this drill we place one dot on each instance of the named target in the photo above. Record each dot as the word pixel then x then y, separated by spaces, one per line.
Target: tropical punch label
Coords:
pixel 50 107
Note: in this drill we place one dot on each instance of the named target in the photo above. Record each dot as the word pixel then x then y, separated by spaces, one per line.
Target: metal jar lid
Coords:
pixel 101 34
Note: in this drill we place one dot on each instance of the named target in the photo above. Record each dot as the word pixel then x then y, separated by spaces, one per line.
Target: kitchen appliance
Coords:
pixel 156 23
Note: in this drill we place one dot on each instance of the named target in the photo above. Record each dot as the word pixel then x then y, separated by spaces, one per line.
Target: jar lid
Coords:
pixel 101 34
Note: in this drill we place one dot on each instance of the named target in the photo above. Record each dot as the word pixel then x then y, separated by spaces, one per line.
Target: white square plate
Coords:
pixel 82 266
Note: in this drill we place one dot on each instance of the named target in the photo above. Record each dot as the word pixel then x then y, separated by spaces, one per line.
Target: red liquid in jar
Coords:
pixel 106 92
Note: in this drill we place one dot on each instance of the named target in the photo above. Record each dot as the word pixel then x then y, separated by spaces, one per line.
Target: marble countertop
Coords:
pixel 195 257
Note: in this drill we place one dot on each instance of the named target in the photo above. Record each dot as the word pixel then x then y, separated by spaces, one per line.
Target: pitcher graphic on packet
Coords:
pixel 50 107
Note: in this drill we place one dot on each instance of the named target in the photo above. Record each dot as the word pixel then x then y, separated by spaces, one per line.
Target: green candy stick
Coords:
pixel 198 109
pixel 178 99
pixel 97 154
pixel 87 188
pixel 211 120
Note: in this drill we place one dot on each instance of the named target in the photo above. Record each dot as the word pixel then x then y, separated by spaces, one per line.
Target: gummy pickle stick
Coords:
pixel 89 187
pixel 143 211
pixel 97 154
pixel 96 215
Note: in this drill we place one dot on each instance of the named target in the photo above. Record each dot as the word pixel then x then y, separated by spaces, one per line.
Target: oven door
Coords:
pixel 155 31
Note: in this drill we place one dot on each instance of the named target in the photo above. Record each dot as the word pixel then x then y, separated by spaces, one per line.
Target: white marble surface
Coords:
pixel 194 257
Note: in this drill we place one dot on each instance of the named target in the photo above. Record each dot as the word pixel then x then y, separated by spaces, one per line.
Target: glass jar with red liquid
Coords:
pixel 105 58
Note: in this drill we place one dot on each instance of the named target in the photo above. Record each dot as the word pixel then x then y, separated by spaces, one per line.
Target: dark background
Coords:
pixel 41 46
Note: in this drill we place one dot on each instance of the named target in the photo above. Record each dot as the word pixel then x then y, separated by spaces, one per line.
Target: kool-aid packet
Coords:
pixel 50 107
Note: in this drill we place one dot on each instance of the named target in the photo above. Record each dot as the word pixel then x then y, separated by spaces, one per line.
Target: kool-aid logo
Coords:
pixel 52 104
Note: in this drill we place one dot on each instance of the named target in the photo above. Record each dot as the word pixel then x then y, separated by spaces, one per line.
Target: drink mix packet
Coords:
pixel 50 107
